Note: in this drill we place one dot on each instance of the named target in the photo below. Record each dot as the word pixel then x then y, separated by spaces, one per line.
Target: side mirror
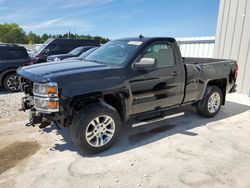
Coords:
pixel 145 63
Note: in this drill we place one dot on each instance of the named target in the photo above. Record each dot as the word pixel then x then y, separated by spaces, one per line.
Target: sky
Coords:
pixel 114 18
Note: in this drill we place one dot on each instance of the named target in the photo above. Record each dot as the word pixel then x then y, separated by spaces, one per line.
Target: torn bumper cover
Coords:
pixel 35 117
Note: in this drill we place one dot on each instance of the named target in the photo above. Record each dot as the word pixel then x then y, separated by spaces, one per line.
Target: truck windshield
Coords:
pixel 115 52
pixel 85 54
pixel 76 51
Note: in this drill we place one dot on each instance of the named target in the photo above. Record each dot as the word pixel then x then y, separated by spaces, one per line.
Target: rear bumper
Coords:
pixel 233 90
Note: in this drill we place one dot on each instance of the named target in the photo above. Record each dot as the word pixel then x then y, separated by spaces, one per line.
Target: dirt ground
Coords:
pixel 14 153
pixel 186 151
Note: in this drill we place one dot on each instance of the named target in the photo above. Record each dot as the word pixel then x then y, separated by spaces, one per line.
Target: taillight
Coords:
pixel 236 71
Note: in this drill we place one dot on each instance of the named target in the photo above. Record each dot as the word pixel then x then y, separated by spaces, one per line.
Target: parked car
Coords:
pixel 74 53
pixel 83 55
pixel 139 78
pixel 11 57
pixel 59 46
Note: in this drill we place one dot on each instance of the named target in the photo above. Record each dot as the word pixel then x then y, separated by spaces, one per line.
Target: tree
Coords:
pixel 32 38
pixel 11 33
pixel 44 37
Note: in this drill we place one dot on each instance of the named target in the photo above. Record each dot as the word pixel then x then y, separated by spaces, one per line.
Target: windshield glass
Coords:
pixel 41 47
pixel 115 52
pixel 85 54
pixel 76 51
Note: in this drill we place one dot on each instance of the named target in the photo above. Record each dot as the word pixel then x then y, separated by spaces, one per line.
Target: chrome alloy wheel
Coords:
pixel 214 102
pixel 13 83
pixel 100 130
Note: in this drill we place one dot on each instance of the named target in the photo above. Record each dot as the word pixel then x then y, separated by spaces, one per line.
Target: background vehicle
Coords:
pixel 74 53
pixel 83 55
pixel 11 57
pixel 139 78
pixel 59 46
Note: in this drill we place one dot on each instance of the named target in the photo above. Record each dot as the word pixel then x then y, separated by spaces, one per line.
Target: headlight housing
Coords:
pixel 46 104
pixel 46 97
pixel 45 90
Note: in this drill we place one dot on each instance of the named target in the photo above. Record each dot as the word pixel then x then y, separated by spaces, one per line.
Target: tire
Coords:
pixel 210 105
pixel 11 83
pixel 85 124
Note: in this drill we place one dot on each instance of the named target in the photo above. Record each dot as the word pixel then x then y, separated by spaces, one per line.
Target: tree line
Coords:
pixel 13 33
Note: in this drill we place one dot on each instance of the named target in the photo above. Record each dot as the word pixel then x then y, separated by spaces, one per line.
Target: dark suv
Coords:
pixel 11 57
pixel 59 46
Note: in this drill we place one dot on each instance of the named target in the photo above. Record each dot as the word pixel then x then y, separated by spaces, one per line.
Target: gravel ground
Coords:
pixel 9 105
pixel 185 151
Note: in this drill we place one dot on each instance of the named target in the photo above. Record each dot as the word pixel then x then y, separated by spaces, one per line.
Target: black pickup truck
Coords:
pixel 128 78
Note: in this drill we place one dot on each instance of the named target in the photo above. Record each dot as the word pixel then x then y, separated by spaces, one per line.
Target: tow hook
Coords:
pixel 44 124
pixel 47 123
pixel 29 124
pixel 35 118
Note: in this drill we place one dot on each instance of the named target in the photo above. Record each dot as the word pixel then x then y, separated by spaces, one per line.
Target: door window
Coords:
pixel 162 53
pixel 10 54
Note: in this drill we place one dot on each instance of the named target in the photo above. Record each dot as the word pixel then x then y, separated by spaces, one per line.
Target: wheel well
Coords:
pixel 222 84
pixel 116 102
pixel 6 74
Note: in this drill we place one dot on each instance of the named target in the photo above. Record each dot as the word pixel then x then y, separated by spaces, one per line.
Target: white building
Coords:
pixel 233 38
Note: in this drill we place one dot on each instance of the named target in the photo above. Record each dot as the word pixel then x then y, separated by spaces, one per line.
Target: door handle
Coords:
pixel 175 73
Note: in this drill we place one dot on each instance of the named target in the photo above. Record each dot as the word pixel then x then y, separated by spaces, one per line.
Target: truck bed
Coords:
pixel 199 71
pixel 193 60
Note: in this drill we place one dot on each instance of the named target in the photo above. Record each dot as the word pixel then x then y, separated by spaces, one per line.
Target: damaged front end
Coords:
pixel 42 100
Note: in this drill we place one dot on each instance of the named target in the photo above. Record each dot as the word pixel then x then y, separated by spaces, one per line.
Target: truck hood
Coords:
pixel 50 71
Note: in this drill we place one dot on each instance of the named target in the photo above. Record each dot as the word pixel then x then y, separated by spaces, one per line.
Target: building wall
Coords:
pixel 196 46
pixel 233 38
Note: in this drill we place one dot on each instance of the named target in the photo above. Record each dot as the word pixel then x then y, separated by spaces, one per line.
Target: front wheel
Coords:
pixel 210 105
pixel 95 128
pixel 11 82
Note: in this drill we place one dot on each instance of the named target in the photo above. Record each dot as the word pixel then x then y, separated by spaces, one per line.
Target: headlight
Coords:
pixel 46 97
pixel 45 90
pixel 46 104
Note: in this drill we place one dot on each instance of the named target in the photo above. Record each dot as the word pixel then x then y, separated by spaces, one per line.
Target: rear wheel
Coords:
pixel 11 82
pixel 95 128
pixel 210 105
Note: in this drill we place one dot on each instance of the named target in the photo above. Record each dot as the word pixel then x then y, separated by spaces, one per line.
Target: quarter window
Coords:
pixel 162 53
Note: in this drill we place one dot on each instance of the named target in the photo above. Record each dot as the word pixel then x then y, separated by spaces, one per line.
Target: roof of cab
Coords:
pixel 146 39
pixel 12 46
